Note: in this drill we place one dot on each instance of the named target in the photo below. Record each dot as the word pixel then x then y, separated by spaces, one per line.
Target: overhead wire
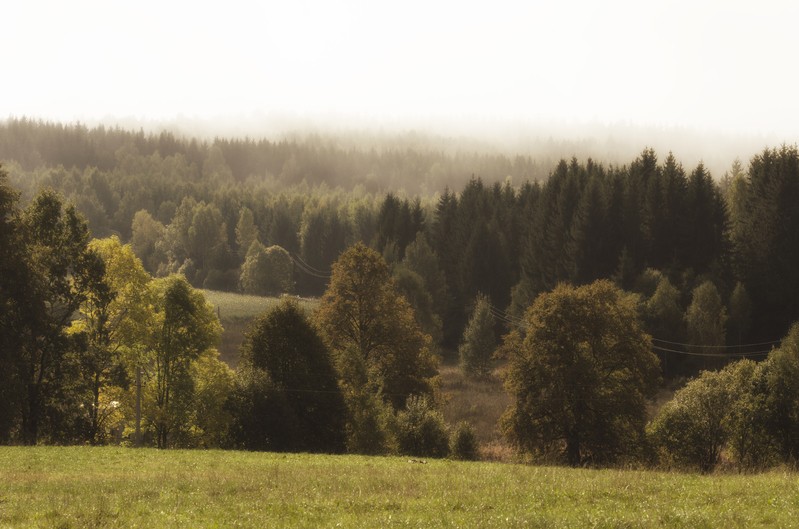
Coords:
pixel 308 267
pixel 711 355
pixel 309 270
pixel 759 344
pixel 734 351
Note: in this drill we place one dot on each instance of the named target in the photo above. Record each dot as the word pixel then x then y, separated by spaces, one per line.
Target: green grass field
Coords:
pixel 119 487
pixel 232 306
pixel 236 312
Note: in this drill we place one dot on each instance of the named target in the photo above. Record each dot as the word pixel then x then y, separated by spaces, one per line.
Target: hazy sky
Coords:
pixel 714 65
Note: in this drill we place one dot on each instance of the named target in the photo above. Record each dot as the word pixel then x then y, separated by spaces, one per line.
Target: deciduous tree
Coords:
pixel 113 317
pixel 581 376
pixel 184 328
pixel 362 310
pixel 289 397
pixel 266 271
pixel 56 239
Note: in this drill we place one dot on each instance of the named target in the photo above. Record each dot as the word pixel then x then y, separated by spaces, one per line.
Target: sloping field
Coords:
pixel 236 312
pixel 117 487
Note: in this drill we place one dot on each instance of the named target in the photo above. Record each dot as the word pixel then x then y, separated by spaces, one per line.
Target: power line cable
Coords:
pixel 505 318
pixel 309 267
pixel 309 271
pixel 711 355
pixel 717 346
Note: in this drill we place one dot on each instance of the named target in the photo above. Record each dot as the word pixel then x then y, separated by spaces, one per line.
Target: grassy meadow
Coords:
pixel 236 312
pixel 120 487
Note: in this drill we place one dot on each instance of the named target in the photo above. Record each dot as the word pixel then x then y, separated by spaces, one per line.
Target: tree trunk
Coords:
pixel 30 418
pixel 573 456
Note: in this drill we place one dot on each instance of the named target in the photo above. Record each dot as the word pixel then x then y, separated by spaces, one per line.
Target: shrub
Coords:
pixel 421 430
pixel 712 412
pixel 463 444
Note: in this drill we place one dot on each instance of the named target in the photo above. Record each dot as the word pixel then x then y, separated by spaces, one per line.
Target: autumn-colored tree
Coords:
pixel 581 375
pixel 362 309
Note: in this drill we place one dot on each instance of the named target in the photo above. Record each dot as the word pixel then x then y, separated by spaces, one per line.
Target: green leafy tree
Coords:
pixel 412 287
pixel 184 328
pixel 215 167
pixel 16 308
pixel 207 242
pixel 289 397
pixel 146 240
pixel 665 320
pixel 751 443
pixel 214 384
pixel 581 375
pixel 246 231
pixel 176 235
pixel 56 239
pixel 693 429
pixel 706 317
pixel 422 259
pixel 266 271
pixel 781 374
pixel 113 317
pixel 370 418
pixel 362 308
pixel 740 315
pixel 663 312
pixel 479 342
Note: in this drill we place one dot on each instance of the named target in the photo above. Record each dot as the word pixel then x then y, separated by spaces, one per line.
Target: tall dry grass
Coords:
pixel 479 402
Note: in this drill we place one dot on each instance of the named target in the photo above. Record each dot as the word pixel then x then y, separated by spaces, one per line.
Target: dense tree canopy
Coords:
pixel 580 375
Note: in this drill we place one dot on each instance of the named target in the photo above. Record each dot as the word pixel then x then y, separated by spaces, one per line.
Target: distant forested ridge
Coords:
pixel 221 212
pixel 415 166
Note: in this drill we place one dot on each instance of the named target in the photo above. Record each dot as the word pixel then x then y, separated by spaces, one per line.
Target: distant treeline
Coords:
pixel 313 160
pixel 652 225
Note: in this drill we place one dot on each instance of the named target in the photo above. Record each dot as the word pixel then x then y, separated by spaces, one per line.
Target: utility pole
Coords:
pixel 137 440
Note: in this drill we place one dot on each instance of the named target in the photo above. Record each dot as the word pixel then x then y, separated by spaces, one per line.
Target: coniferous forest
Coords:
pixel 109 234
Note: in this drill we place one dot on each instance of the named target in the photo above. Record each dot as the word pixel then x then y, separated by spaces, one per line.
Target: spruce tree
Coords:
pixel 478 340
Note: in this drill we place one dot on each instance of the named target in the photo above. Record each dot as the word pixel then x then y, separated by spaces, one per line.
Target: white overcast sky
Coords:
pixel 715 65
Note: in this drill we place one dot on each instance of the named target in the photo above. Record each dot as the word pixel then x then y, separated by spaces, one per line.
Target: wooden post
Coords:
pixel 137 440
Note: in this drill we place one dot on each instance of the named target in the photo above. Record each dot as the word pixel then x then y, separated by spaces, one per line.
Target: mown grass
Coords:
pixel 117 487
pixel 237 311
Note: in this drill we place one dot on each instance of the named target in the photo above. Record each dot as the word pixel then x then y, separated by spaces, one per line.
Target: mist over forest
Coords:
pixel 495 251
pixel 545 141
